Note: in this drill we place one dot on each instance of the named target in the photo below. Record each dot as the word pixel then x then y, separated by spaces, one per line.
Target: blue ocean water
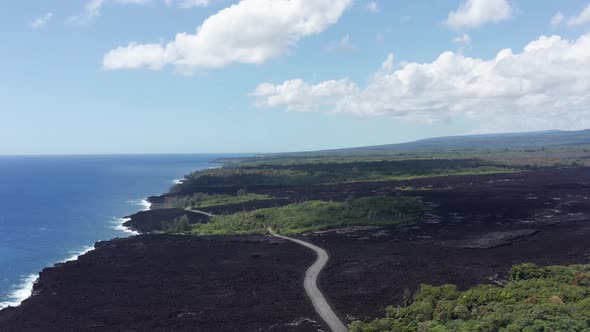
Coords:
pixel 52 208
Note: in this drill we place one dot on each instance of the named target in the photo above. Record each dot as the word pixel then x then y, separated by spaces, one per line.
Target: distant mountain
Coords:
pixel 537 139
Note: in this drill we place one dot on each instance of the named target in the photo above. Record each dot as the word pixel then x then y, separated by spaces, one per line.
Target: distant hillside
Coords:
pixel 548 139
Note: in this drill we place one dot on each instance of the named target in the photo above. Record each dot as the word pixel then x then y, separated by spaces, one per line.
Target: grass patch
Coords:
pixel 316 215
pixel 203 200
pixel 555 298
pixel 217 200
pixel 539 156
pixel 228 179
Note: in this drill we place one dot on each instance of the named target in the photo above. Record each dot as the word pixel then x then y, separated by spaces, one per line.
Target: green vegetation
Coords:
pixel 179 225
pixel 555 298
pixel 203 200
pixel 547 148
pixel 280 175
pixel 316 215
pixel 227 200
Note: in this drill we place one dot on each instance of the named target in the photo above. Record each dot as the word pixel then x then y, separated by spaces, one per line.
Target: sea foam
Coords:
pixel 20 292
pixel 141 202
pixel 24 289
pixel 118 225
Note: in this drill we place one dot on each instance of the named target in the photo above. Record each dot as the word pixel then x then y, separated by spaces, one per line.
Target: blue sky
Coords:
pixel 316 77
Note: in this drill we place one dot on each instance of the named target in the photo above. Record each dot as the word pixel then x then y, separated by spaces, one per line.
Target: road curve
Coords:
pixel 200 212
pixel 320 304
pixel 310 284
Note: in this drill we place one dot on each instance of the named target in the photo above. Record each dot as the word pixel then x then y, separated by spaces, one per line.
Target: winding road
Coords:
pixel 310 284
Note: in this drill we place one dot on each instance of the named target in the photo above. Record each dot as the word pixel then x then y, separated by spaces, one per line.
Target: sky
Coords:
pixel 205 76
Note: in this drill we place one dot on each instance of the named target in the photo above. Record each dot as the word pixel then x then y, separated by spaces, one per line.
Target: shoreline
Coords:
pixel 120 283
pixel 24 288
pixel 116 282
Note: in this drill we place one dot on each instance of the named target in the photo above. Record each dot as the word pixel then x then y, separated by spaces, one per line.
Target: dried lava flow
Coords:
pixel 310 284
pixel 318 300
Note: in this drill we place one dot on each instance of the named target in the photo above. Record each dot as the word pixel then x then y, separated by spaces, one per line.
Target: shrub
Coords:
pixel 553 298
pixel 179 225
pixel 316 215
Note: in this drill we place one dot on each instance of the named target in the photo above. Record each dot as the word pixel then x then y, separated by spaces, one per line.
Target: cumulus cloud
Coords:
pixel 298 95
pixel 545 86
pixel 250 32
pixel 581 19
pixel 473 13
pixel 42 20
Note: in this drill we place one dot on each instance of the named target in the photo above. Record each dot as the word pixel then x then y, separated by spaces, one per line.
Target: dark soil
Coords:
pixel 157 220
pixel 248 206
pixel 475 229
pixel 365 275
pixel 172 283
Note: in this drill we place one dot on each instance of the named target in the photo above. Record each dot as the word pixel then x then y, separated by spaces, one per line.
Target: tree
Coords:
pixel 179 225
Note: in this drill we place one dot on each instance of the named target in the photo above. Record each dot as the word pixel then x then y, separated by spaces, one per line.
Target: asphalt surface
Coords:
pixel 310 284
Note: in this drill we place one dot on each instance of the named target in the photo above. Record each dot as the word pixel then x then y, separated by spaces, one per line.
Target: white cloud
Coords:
pixel 341 45
pixel 581 19
pixel 93 7
pixel 298 95
pixel 194 3
pixel 557 19
pixel 372 7
pixel 464 39
pixel 404 19
pixel 473 13
pixel 42 20
pixel 462 42
pixel 91 10
pixel 187 4
pixel 250 32
pixel 543 87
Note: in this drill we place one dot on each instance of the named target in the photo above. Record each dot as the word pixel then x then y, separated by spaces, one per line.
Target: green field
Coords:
pixel 203 200
pixel 316 216
pixel 555 298
pixel 538 157
pixel 285 175
pixel 532 149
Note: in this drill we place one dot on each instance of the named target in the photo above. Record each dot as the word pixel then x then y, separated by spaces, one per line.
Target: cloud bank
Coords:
pixel 249 32
pixel 545 86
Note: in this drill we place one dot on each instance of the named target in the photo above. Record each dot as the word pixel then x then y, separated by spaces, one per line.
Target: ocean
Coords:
pixel 54 208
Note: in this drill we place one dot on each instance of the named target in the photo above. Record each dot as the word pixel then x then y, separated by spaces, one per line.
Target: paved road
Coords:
pixel 311 281
pixel 201 212
pixel 310 284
